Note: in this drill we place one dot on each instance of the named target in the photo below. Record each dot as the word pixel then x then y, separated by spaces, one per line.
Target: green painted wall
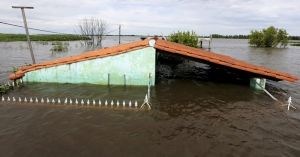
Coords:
pixel 136 65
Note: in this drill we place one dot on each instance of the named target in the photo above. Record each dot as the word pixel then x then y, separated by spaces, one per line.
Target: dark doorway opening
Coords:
pixel 175 66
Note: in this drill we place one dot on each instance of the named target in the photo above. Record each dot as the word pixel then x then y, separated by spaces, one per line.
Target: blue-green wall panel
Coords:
pixel 136 65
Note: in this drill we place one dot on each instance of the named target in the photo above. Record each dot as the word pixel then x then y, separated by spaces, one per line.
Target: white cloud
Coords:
pixel 157 16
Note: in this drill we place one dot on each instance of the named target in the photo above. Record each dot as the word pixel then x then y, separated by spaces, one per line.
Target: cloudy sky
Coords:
pixel 156 16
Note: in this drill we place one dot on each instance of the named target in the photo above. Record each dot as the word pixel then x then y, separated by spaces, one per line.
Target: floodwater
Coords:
pixel 190 116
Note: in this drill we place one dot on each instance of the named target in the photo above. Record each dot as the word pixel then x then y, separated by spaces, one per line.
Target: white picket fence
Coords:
pixel 128 104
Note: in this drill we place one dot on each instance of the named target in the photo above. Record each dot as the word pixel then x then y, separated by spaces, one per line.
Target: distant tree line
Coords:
pixel 230 36
pixel 41 37
pixel 294 37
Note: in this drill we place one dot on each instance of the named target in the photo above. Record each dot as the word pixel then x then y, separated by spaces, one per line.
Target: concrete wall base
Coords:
pixel 258 83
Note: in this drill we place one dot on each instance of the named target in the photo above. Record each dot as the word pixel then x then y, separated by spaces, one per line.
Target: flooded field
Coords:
pixel 190 117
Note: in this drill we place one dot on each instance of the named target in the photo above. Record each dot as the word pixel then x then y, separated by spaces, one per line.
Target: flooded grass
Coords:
pixel 294 42
pixel 298 44
pixel 58 46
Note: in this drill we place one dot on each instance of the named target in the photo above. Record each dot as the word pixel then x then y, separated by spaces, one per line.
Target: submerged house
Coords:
pixel 135 64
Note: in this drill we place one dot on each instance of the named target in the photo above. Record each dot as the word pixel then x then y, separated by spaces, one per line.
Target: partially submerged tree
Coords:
pixel 256 38
pixel 282 37
pixel 93 28
pixel 270 37
pixel 187 38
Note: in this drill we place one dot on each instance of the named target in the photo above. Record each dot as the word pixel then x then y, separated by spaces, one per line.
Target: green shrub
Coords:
pixel 187 38
pixel 58 46
pixel 3 89
pixel 269 37
pixel 14 69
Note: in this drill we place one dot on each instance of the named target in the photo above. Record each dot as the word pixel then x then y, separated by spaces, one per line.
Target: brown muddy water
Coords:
pixel 190 116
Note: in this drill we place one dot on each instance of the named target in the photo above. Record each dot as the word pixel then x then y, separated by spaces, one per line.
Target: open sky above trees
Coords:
pixel 156 16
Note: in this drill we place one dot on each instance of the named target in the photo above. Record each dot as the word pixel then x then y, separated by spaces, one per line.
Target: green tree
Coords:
pixel 269 37
pixel 282 37
pixel 187 38
pixel 256 38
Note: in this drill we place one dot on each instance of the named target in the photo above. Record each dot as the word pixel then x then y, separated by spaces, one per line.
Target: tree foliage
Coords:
pixel 188 38
pixel 269 37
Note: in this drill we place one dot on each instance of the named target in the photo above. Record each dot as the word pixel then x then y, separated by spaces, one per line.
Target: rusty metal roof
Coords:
pixel 165 46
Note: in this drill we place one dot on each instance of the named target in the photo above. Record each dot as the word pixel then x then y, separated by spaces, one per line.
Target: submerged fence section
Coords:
pixel 116 104
pixel 98 103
